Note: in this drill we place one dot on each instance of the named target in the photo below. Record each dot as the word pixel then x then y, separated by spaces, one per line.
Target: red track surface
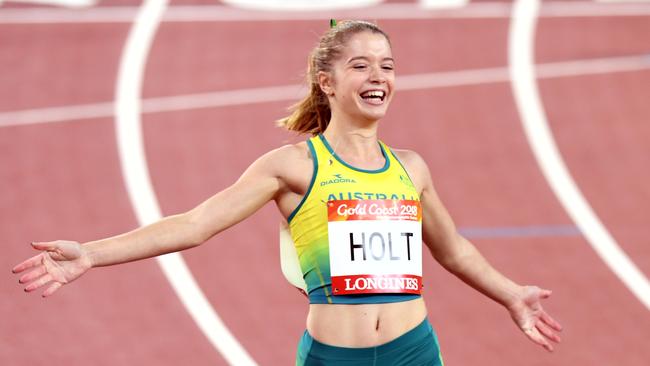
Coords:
pixel 63 180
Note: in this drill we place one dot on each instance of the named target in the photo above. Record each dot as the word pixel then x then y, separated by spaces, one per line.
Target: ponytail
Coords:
pixel 311 114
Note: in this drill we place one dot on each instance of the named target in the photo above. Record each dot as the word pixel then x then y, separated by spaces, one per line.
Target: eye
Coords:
pixel 359 66
pixel 388 67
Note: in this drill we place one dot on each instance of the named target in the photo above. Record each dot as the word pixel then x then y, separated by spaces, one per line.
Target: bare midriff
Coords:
pixel 363 325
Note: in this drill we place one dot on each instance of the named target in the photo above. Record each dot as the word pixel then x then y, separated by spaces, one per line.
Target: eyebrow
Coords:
pixel 366 59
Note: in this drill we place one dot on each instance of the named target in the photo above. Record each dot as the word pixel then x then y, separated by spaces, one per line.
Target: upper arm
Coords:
pixel 438 229
pixel 259 184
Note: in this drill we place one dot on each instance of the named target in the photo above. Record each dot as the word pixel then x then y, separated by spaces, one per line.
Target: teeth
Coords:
pixel 373 94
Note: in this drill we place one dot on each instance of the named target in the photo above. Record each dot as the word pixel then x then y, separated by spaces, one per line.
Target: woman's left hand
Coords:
pixel 530 317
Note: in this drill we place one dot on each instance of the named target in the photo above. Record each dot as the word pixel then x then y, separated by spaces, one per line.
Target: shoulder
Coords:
pixel 289 153
pixel 412 161
pixel 287 159
pixel 415 166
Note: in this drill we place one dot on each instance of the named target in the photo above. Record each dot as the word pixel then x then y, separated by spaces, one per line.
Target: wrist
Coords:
pixel 88 256
pixel 515 297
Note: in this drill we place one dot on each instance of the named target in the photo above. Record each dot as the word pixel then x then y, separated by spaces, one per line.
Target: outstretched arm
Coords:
pixel 460 257
pixel 257 185
pixel 61 262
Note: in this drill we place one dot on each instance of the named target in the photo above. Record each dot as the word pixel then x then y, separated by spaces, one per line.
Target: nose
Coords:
pixel 377 75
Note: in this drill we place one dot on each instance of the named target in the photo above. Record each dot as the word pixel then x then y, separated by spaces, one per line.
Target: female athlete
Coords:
pixel 358 213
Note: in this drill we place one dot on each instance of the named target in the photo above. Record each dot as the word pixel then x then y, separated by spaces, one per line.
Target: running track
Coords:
pixel 62 177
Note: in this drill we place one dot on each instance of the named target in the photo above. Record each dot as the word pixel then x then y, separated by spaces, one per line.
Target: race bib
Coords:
pixel 375 246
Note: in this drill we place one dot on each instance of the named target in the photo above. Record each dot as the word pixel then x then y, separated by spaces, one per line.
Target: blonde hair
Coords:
pixel 312 114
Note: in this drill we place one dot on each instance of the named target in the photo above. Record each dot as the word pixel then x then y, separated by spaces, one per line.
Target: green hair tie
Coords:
pixel 332 23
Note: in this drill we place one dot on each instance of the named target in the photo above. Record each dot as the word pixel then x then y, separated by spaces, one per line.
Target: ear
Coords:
pixel 326 82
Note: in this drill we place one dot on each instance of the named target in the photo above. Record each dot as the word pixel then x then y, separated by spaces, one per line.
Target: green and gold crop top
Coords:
pixel 358 233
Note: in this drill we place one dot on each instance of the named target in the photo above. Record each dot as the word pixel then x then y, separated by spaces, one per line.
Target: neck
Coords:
pixel 354 141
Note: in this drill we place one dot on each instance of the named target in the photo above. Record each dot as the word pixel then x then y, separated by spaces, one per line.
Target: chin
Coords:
pixel 376 116
pixel 373 116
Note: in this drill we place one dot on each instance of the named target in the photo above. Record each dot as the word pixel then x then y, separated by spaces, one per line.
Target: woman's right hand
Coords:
pixel 60 262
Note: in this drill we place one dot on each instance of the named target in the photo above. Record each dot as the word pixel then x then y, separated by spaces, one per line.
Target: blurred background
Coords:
pixel 114 113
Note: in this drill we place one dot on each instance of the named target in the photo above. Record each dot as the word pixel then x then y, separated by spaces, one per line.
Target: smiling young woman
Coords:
pixel 358 213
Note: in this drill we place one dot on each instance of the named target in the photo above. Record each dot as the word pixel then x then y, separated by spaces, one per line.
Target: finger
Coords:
pixel 536 337
pixel 551 322
pixel 44 245
pixel 30 276
pixel 62 250
pixel 53 287
pixel 50 246
pixel 545 294
pixel 547 332
pixel 31 262
pixel 38 283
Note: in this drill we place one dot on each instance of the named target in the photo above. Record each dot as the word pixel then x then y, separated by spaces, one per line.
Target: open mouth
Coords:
pixel 374 96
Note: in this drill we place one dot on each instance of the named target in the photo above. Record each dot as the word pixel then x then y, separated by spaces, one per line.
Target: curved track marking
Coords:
pixel 225 13
pixel 138 183
pixel 540 138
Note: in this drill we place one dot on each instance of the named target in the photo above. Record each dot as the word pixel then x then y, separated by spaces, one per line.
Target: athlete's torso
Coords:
pixel 336 181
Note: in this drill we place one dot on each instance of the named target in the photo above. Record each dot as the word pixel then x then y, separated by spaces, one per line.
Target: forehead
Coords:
pixel 367 44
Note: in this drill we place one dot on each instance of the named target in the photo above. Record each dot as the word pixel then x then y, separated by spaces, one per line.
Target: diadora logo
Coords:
pixel 338 178
pixel 405 180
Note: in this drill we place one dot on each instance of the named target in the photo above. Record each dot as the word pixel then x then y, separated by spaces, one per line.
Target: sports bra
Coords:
pixel 356 232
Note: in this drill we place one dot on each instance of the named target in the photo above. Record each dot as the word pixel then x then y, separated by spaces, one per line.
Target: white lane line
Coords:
pixel 138 182
pixel 294 92
pixel 540 138
pixel 300 5
pixel 64 3
pixel 592 67
pixel 397 11
pixel 622 1
pixel 443 4
pixel 57 114
pixel 223 98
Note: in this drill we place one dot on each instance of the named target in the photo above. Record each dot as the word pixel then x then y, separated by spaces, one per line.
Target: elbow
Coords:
pixel 191 225
pixel 195 240
pixel 453 264
pixel 453 253
pixel 448 261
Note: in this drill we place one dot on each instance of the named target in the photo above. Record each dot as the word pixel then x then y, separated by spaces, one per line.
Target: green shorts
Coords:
pixel 418 346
